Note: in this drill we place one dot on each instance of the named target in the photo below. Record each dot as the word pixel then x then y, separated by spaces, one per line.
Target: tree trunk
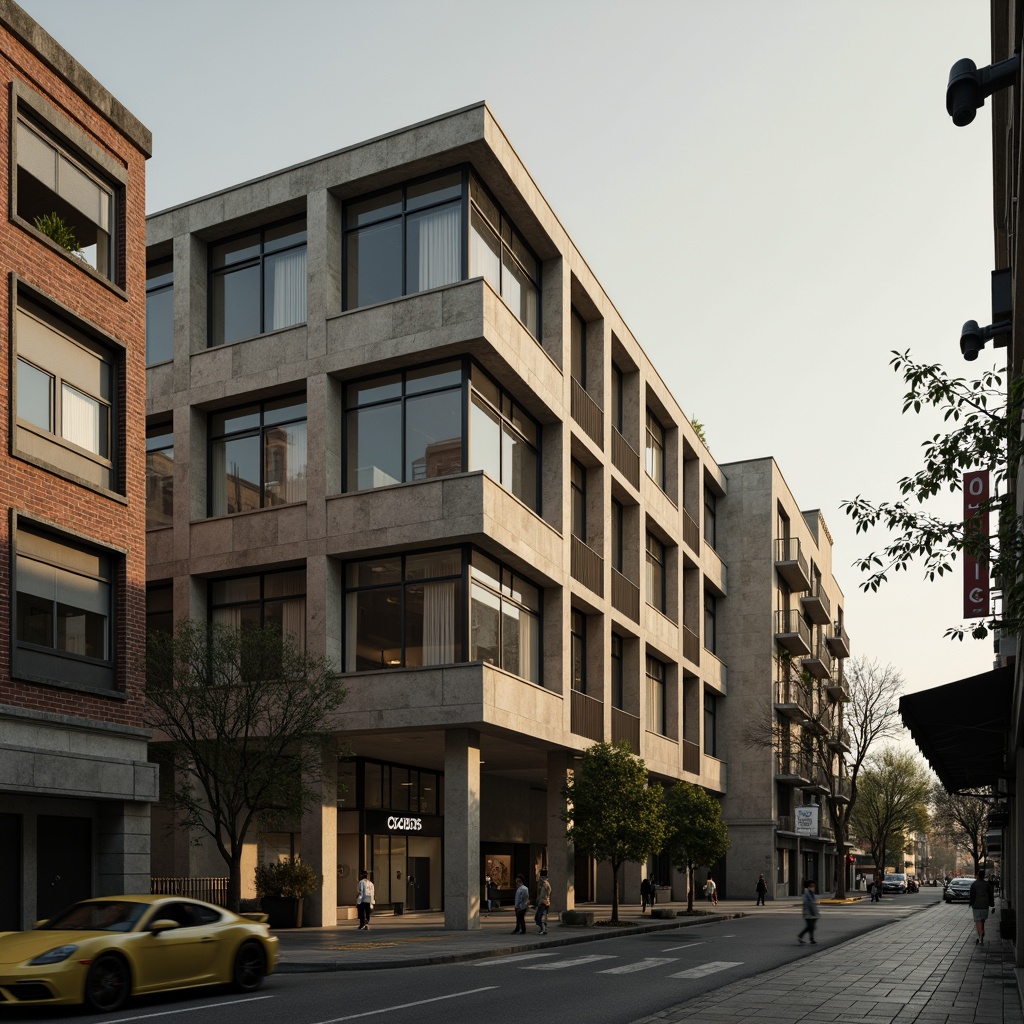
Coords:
pixel 235 881
pixel 689 888
pixel 615 893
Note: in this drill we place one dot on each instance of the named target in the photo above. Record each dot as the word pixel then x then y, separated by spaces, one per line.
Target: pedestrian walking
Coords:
pixel 761 889
pixel 654 892
pixel 645 894
pixel 711 891
pixel 485 896
pixel 810 911
pixel 493 903
pixel 522 901
pixel 876 891
pixel 981 900
pixel 365 898
pixel 543 903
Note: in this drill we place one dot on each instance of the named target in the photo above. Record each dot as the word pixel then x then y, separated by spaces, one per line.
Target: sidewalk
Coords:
pixel 926 967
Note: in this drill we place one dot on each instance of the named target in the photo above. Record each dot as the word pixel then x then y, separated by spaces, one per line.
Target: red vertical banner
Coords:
pixel 976 580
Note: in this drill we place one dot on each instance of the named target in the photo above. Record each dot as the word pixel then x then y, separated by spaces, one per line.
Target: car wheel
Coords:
pixel 949 901
pixel 107 985
pixel 250 967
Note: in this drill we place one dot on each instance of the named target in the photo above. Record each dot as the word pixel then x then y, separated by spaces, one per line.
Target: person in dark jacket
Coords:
pixel 761 889
pixel 522 902
pixel 981 899
pixel 645 894
pixel 810 912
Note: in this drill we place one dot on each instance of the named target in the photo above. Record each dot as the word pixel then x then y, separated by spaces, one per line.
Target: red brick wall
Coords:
pixel 46 495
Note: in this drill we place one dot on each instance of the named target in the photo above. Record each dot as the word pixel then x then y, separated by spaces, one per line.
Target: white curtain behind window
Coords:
pixel 439 248
pixel 293 621
pixel 289 284
pixel 80 419
pixel 439 623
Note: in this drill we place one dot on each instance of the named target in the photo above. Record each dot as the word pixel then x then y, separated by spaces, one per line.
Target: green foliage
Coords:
pixel 242 713
pixel 696 833
pixel 612 814
pixel 290 879
pixel 984 419
pixel 698 429
pixel 58 230
pixel 961 819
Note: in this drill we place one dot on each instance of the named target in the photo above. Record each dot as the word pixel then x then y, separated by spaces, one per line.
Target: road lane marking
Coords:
pixel 558 965
pixel 706 969
pixel 641 965
pixel 191 1009
pixel 514 959
pixel 405 1006
pixel 686 946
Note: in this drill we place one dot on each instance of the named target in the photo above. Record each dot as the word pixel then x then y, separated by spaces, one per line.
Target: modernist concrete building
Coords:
pixel 390 408
pixel 75 785
pixel 783 636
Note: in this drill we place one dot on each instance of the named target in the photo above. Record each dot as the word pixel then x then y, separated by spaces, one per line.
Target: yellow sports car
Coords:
pixel 101 951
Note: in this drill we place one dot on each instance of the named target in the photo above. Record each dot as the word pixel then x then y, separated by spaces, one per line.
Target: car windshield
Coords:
pixel 97 916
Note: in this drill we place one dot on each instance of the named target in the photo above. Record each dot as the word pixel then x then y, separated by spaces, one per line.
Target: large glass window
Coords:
pixel 258 456
pixel 578 487
pixel 258 282
pixel 656 699
pixel 63 610
pixel 504 618
pixel 655 450
pixel 617 391
pixel 656 573
pixel 578 650
pixel 710 623
pixel 711 724
pixel 578 354
pixel 617 670
pixel 404 427
pixel 62 195
pixel 710 516
pixel 65 395
pixel 404 611
pixel 159 312
pixel 159 476
pixel 262 599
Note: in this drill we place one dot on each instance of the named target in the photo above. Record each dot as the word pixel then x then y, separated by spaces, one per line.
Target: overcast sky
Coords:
pixel 771 193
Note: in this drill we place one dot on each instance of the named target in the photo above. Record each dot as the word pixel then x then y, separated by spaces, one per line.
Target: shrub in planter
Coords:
pixel 282 887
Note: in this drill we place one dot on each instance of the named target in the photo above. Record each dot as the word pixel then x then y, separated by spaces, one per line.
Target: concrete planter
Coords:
pixel 577 918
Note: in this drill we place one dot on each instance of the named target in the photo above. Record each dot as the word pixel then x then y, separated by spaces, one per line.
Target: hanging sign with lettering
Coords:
pixel 976 580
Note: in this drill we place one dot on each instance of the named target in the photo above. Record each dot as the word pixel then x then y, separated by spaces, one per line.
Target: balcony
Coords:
pixel 587 566
pixel 840 743
pixel 818 661
pixel 838 642
pixel 815 604
pixel 791 564
pixel 691 532
pixel 691 645
pixel 625 596
pixel 587 413
pixel 587 716
pixel 792 768
pixel 836 686
pixel 843 791
pixel 819 783
pixel 791 632
pixel 625 459
pixel 792 700
pixel 626 728
pixel 691 757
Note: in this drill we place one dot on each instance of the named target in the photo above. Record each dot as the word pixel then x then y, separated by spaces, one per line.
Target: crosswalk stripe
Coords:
pixel 578 962
pixel 705 969
pixel 641 965
pixel 516 958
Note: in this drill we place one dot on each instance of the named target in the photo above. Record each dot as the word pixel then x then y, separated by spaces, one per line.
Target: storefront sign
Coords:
pixel 405 824
pixel 976 585
pixel 400 823
pixel 807 820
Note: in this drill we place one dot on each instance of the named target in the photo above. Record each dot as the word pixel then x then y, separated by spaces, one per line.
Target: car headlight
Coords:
pixel 53 956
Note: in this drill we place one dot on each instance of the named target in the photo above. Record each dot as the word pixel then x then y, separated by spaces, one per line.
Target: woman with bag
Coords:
pixel 364 901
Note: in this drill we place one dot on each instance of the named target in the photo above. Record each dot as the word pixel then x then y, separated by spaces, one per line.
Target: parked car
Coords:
pixel 958 890
pixel 894 883
pixel 102 951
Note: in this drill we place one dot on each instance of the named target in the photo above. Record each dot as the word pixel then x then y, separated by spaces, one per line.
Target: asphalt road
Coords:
pixel 611 981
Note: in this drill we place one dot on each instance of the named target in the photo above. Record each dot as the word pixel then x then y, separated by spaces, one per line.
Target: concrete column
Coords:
pixel 1016 848
pixel 318 846
pixel 123 847
pixel 461 829
pixel 561 853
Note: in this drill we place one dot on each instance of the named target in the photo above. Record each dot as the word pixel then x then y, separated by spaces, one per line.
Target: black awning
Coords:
pixel 962 728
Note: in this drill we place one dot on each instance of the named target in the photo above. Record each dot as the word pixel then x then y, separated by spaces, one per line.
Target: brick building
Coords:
pixel 75 786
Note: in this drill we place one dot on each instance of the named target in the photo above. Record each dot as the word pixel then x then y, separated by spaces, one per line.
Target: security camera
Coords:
pixel 968 86
pixel 972 340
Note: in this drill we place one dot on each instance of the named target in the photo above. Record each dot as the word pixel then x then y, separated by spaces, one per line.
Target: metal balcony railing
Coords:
pixel 691 757
pixel 792 699
pixel 838 641
pixel 587 413
pixel 691 532
pixel 626 727
pixel 625 596
pixel 791 564
pixel 691 645
pixel 625 459
pixel 210 890
pixel 792 632
pixel 587 566
pixel 587 715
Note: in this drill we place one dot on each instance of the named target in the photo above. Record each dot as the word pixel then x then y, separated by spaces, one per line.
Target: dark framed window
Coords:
pixel 655 450
pixel 617 535
pixel 414 237
pixel 257 456
pixel 578 347
pixel 618 694
pixel 578 650
pixel 159 312
pixel 710 622
pixel 438 420
pixel 159 476
pixel 258 282
pixel 617 404
pixel 64 195
pixel 710 516
pixel 710 724
pixel 393 787
pixel 504 618
pixel 63 610
pixel 578 488
pixel 67 385
pixel 160 607
pixel 656 573
pixel 656 696
pixel 261 599
pixel 404 611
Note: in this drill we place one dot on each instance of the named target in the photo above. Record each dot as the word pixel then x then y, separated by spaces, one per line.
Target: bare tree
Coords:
pixel 961 819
